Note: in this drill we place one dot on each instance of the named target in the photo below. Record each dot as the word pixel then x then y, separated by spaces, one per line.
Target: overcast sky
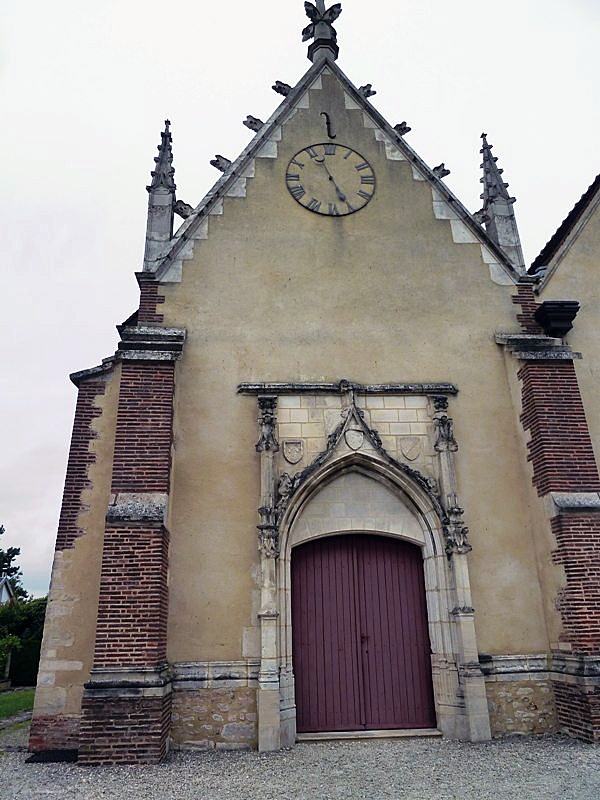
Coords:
pixel 85 89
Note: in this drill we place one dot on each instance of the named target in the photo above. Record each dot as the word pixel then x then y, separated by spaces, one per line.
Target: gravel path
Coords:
pixel 408 769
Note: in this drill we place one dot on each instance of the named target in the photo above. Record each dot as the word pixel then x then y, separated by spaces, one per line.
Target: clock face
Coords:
pixel 330 179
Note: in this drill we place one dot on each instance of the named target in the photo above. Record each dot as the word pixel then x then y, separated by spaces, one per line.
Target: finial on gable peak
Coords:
pixel 321 29
pixel 162 174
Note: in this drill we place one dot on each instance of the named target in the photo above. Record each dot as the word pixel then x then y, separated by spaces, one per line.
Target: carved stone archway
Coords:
pixel 354 448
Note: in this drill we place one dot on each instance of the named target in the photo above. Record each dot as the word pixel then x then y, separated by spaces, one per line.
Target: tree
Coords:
pixel 11 570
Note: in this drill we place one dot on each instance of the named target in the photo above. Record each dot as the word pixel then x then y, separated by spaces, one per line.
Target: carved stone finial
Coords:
pixel 321 28
pixel 267 405
pixel 445 434
pixel 367 90
pixel 254 123
pixel 183 209
pixel 440 171
pixel 402 128
pixel 221 163
pixel 281 88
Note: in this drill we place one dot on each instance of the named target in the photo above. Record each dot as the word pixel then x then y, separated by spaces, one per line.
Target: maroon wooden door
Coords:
pixel 360 640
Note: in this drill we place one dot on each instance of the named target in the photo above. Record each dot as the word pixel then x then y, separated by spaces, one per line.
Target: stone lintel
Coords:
pixel 344 385
pixel 138 507
pixel 514 664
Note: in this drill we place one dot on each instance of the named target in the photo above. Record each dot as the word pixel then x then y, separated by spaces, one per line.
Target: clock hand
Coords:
pixel 341 196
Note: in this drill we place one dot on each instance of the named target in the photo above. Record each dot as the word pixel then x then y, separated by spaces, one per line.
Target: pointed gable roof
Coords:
pixel 232 182
pixel 553 251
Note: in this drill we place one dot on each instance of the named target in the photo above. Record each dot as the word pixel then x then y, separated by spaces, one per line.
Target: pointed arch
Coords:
pixel 411 492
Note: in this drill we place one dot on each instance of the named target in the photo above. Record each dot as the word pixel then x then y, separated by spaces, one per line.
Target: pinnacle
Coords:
pixel 162 175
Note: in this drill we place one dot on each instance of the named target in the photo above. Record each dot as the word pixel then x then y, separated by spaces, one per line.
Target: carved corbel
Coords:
pixel 267 406
pixel 445 434
pixel 268 533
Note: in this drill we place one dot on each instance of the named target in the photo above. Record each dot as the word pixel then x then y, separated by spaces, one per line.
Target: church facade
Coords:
pixel 341 474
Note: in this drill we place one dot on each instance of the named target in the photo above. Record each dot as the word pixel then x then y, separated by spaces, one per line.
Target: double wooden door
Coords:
pixel 361 649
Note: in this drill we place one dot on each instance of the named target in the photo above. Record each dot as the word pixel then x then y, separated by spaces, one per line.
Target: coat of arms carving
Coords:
pixel 293 450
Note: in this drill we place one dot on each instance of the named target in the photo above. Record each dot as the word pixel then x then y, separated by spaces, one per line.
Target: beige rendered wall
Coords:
pixel 69 633
pixel 386 294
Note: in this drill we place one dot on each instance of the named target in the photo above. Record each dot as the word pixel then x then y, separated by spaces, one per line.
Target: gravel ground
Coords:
pixel 411 769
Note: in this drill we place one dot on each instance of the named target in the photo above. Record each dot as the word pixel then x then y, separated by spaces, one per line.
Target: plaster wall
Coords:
pixel 69 633
pixel 277 293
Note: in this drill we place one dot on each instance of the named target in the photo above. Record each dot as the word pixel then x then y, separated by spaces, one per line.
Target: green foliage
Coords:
pixel 20 623
pixel 11 570
pixel 12 703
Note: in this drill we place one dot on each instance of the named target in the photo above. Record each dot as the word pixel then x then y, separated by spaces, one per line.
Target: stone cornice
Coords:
pixel 345 385
pixel 150 343
pixel 536 347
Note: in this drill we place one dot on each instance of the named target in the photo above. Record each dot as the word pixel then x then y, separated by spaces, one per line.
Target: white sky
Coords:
pixel 85 89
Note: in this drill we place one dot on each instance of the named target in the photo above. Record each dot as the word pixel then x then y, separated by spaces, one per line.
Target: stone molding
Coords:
pixel 536 347
pixel 150 343
pixel 345 385
pixel 138 507
pixel 571 501
pixel 215 674
pixel 561 667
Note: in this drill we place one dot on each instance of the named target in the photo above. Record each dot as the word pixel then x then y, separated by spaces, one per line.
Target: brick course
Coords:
pixel 560 447
pixel 132 609
pixel 124 730
pixel 149 299
pixel 142 457
pixel 80 458
pixel 578 551
pixel 56 732
pixel 525 298
pixel 578 709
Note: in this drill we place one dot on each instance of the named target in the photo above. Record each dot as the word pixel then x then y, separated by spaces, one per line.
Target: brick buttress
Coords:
pixel 565 476
pixel 126 704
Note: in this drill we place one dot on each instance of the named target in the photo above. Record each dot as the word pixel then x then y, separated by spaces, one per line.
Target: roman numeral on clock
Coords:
pixel 297 192
pixel 314 204
pixel 333 210
pixel 291 176
pixel 361 166
pixel 329 149
pixel 368 179
pixel 311 152
pixel 362 193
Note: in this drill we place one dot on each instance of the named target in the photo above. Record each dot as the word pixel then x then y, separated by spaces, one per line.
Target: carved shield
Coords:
pixel 354 437
pixel 293 450
pixel 411 447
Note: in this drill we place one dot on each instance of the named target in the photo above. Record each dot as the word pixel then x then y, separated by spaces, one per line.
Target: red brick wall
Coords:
pixel 142 457
pixel 149 299
pixel 80 458
pixel 132 609
pixel 578 551
pixel 53 733
pixel 124 730
pixel 525 298
pixel 560 447
pixel 578 709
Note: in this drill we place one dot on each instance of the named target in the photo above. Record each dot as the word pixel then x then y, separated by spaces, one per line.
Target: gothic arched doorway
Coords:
pixel 361 652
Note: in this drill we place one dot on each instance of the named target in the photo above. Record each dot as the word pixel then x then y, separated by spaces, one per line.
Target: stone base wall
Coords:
pixel 578 710
pixel 58 732
pixel 214 718
pixel 128 730
pixel 526 706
